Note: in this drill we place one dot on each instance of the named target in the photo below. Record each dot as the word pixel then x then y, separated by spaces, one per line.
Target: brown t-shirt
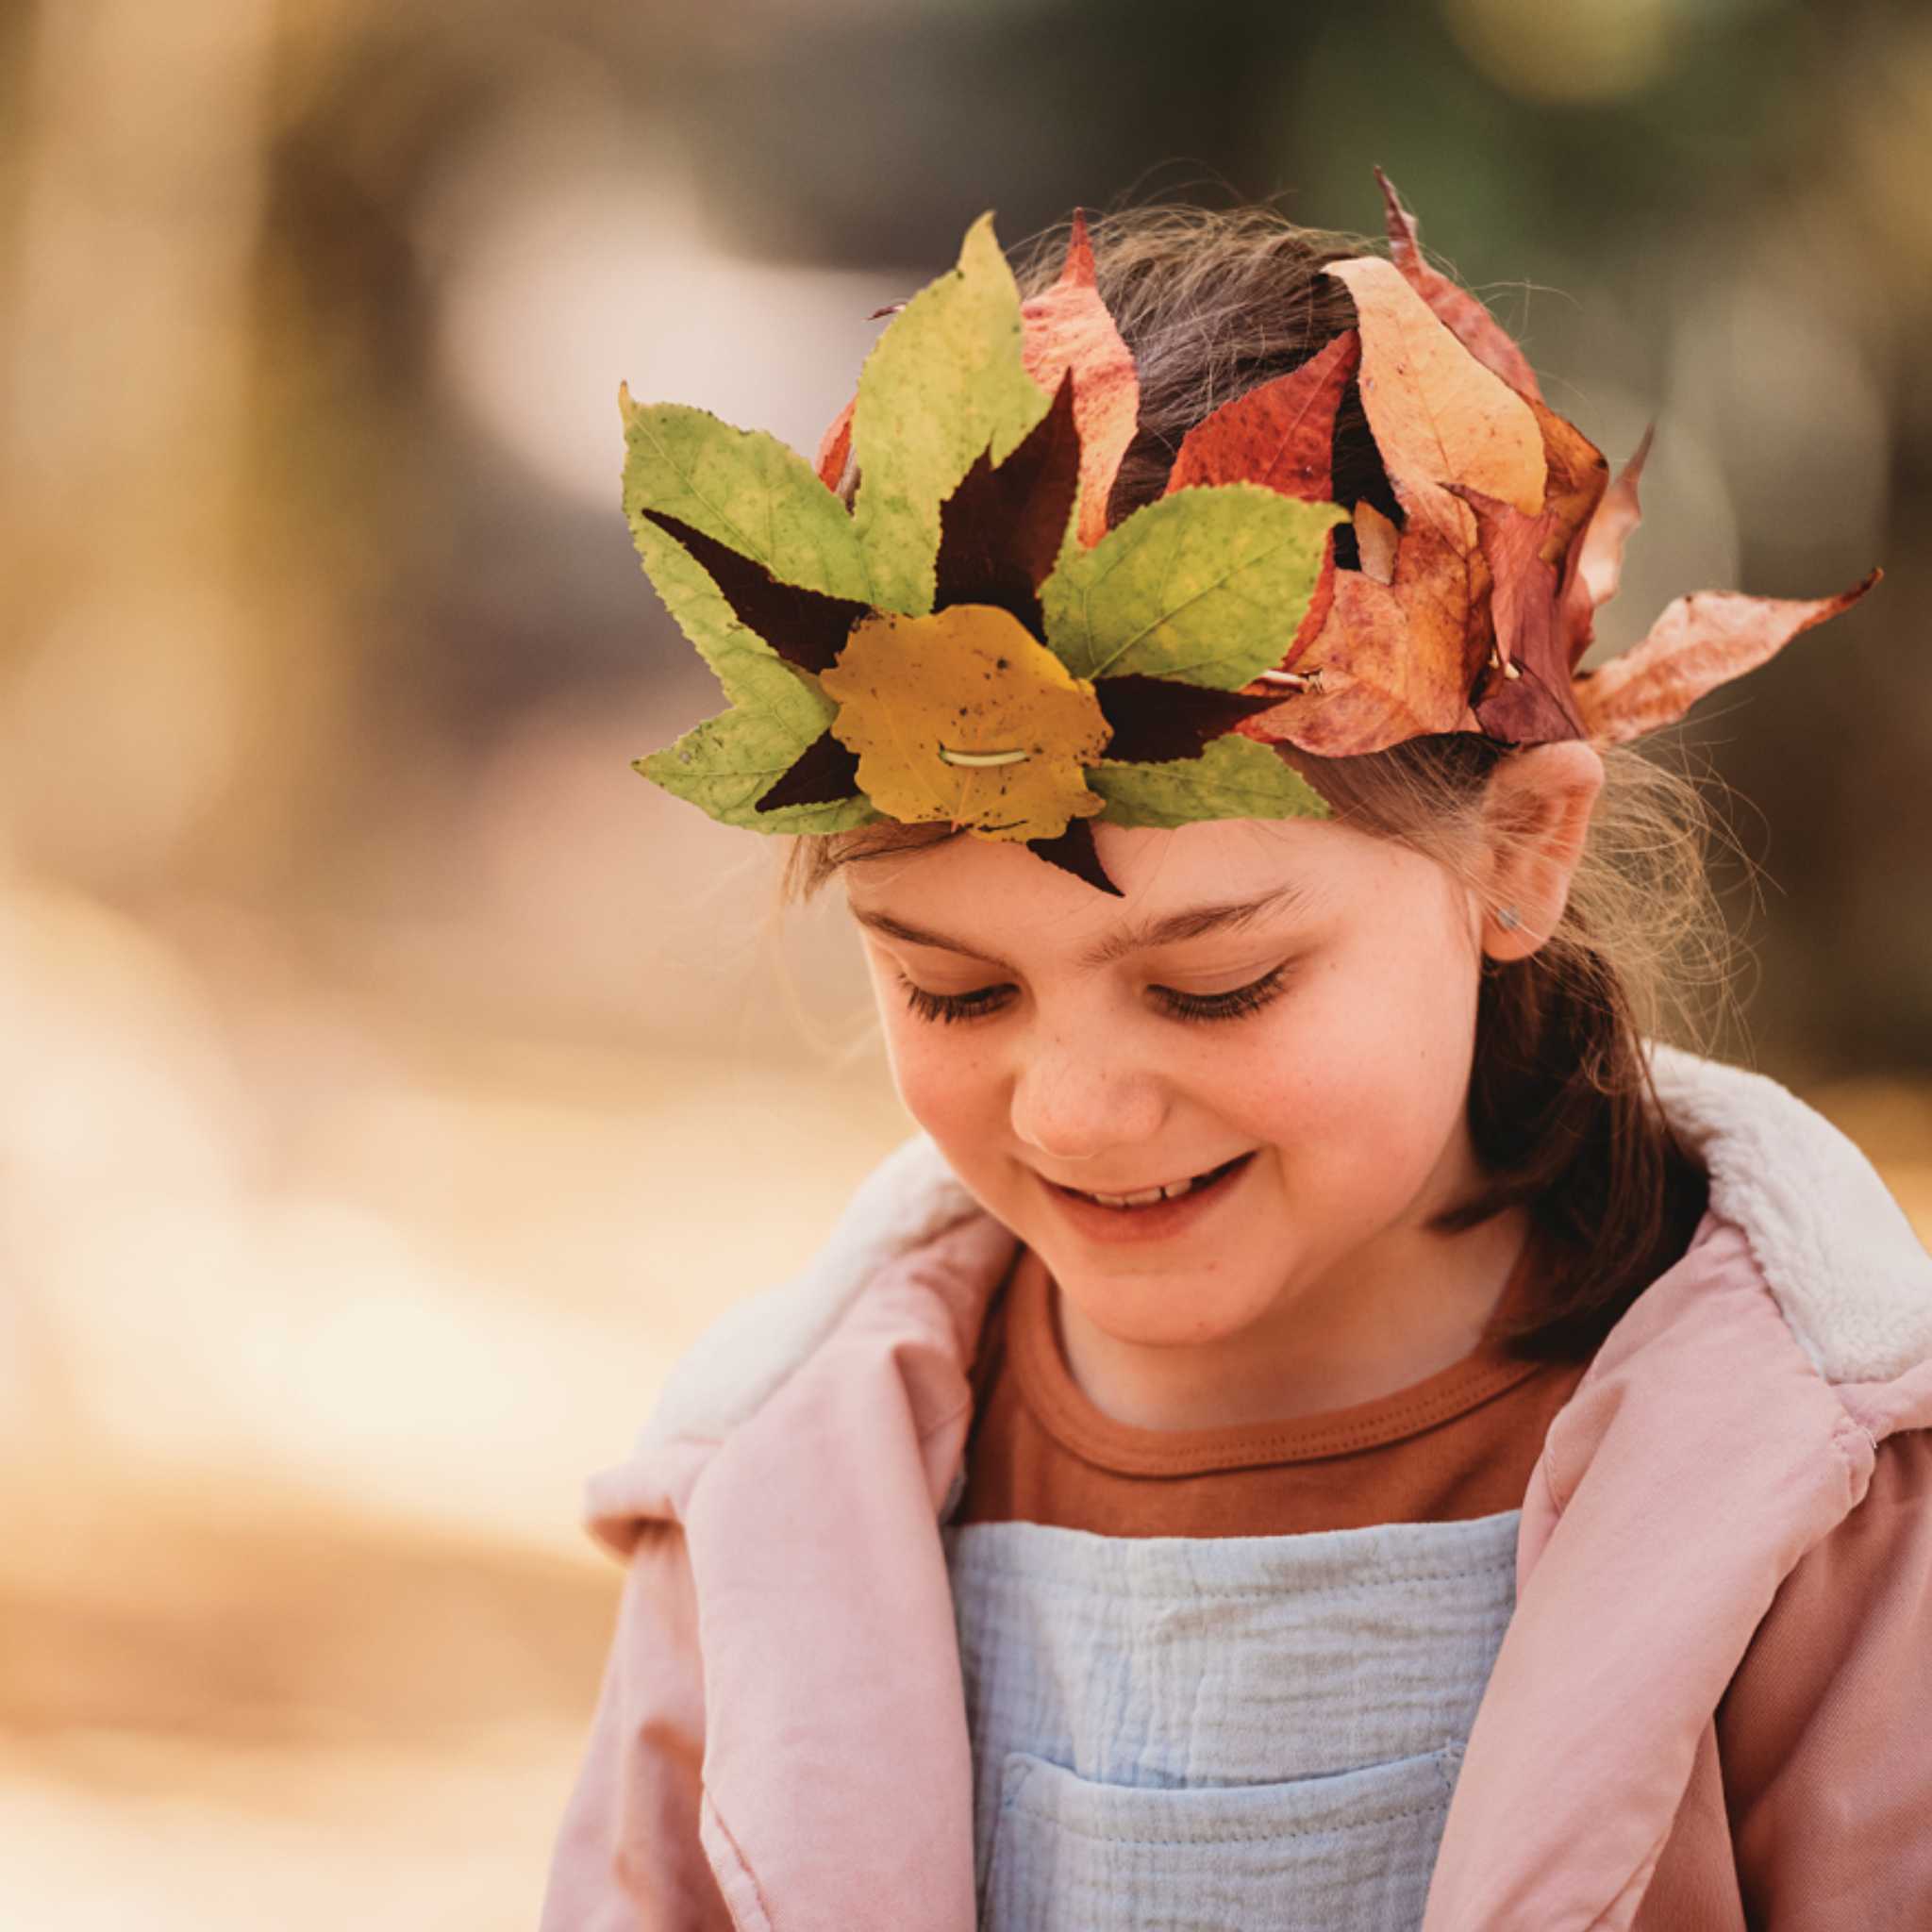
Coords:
pixel 1459 1444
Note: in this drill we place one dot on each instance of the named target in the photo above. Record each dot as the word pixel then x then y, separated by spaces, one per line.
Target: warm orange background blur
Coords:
pixel 393 1082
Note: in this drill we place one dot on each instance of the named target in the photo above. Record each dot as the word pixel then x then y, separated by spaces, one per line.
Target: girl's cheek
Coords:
pixel 935 1081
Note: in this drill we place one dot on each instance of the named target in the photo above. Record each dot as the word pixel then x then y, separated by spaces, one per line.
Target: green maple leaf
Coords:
pixel 727 763
pixel 742 487
pixel 943 386
pixel 1205 586
pixel 1234 777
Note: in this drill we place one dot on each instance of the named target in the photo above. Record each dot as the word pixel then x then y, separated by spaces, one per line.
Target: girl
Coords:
pixel 1330 1425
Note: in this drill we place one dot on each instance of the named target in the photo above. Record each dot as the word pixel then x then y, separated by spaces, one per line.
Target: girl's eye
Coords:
pixel 1232 1005
pixel 954 1005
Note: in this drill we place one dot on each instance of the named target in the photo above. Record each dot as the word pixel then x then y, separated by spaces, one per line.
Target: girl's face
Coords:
pixel 1278 1019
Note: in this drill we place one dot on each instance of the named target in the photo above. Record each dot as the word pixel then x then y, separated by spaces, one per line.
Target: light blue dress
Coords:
pixel 1221 1734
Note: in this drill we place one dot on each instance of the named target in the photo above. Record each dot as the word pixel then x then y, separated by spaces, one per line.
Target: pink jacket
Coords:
pixel 780 1740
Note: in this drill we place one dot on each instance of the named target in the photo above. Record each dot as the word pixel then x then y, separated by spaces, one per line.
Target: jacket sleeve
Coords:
pixel 1825 1732
pixel 627 1856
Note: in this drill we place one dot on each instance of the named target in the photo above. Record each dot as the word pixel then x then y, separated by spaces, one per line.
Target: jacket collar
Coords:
pixel 1840 1259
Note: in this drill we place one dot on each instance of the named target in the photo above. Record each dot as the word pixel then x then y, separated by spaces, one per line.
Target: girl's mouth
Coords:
pixel 1172 1191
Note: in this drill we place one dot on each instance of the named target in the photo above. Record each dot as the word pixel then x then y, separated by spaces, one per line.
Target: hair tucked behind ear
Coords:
pixel 1563 1113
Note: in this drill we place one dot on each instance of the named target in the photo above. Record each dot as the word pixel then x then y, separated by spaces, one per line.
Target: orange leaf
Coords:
pixel 1596 564
pixel 1474 328
pixel 1069 327
pixel 1280 434
pixel 1700 641
pixel 1439 416
pixel 1395 660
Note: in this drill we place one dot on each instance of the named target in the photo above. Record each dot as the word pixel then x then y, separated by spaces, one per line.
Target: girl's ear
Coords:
pixel 1536 815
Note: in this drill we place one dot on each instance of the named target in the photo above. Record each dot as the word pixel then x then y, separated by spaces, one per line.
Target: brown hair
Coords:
pixel 1561 1111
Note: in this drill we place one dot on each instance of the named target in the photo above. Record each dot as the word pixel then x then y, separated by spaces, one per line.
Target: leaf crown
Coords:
pixel 971 642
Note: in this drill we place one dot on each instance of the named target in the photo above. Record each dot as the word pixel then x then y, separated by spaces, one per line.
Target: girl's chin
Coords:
pixel 1150 1318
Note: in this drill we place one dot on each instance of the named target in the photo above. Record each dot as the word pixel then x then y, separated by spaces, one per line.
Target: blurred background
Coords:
pixel 393 1082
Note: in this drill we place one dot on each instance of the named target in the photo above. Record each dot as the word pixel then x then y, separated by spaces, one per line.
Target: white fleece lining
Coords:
pixel 1852 1278
pixel 1836 1250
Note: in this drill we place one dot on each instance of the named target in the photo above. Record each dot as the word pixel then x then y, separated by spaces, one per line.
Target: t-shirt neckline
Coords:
pixel 1064 1409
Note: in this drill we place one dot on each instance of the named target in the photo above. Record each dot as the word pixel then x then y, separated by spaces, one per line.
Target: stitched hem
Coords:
pixel 739 1885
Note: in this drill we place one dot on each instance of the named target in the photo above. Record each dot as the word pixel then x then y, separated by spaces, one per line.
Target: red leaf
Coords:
pixel 1700 641
pixel 1596 564
pixel 1473 324
pixel 1279 434
pixel 835 446
pixel 1069 327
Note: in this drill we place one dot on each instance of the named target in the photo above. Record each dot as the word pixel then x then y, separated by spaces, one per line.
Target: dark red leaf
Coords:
pixel 1159 719
pixel 804 627
pixel 1001 531
pixel 1526 699
pixel 823 774
pixel 1074 851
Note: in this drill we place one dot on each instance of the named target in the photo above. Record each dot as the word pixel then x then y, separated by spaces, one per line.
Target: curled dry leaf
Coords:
pixel 1700 641
pixel 1525 699
pixel 1069 328
pixel 1473 324
pixel 1439 416
pixel 1396 659
pixel 964 716
pixel 1596 564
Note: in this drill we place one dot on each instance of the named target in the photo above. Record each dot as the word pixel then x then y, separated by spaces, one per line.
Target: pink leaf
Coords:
pixel 1700 641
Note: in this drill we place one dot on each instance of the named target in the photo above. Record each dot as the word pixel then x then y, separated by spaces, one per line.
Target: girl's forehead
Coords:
pixel 1213 875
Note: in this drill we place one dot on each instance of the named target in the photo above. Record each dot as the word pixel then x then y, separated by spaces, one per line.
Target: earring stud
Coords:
pixel 1507 919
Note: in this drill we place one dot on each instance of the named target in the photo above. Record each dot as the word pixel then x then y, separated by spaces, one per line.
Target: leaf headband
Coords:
pixel 970 643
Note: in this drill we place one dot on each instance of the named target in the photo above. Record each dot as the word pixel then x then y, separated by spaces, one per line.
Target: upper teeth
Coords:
pixel 1145 1195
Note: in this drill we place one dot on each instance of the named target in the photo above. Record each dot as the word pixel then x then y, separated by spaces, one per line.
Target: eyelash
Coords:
pixel 1236 1004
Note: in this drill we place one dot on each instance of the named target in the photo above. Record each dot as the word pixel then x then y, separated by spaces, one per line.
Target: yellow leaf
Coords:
pixel 966 716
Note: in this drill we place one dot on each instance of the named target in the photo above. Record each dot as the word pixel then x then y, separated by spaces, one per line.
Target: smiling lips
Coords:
pixel 1145 1197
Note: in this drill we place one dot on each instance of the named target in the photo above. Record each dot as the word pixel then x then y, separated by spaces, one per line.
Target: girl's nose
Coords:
pixel 1074 1098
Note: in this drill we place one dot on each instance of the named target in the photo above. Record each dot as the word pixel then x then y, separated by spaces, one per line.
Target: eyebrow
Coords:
pixel 1192 923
